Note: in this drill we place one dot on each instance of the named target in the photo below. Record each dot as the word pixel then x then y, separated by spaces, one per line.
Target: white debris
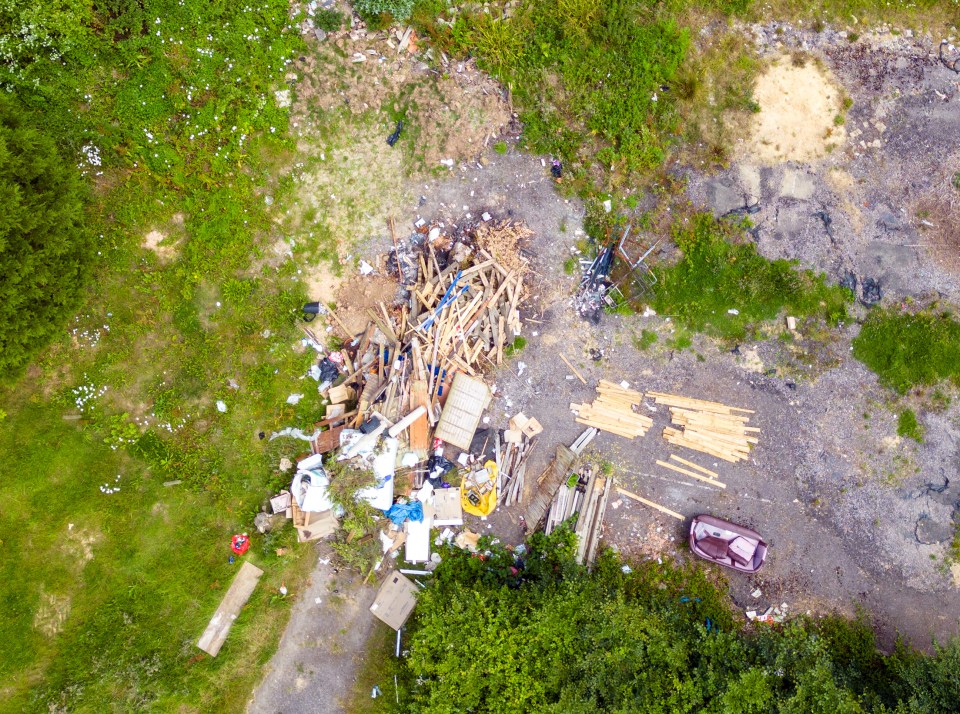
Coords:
pixel 221 406
pixel 733 311
pixel 283 98
pixel 294 398
pixel 608 205
pixel 365 268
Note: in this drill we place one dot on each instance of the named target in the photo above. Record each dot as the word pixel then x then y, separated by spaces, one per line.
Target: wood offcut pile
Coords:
pixel 614 411
pixel 585 495
pixel 709 427
pixel 459 317
pixel 512 454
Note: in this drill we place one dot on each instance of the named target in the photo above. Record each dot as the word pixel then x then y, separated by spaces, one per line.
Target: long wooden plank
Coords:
pixel 692 474
pixel 237 595
pixel 572 368
pixel 708 472
pixel 677 400
pixel 645 502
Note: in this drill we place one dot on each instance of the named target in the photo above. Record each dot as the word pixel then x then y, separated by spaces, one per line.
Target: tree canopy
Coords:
pixel 45 249
pixel 500 632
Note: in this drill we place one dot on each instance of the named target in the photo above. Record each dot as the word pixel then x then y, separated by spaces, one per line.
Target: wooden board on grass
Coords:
pixel 237 595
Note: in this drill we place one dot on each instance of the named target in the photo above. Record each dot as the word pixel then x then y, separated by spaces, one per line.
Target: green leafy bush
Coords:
pixel 909 349
pixel 45 248
pixel 398 10
pixel 499 632
pixel 722 286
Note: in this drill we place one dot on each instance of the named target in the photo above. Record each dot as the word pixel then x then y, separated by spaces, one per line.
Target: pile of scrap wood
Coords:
pixel 512 455
pixel 585 495
pixel 614 411
pixel 709 427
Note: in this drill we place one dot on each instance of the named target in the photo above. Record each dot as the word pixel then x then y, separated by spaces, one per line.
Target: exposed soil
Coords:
pixel 799 102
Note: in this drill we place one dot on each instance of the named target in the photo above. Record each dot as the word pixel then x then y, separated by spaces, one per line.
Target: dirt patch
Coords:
pixel 448 115
pixel 360 294
pixel 322 283
pixel 51 614
pixel 798 105
pixel 351 180
pixel 165 242
pixel 78 544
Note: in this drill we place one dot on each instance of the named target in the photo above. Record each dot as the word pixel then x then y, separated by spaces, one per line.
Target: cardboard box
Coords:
pixel 449 512
pixel 395 600
pixel 532 428
pixel 280 502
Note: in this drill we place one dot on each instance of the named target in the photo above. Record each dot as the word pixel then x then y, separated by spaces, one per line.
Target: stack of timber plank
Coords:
pixel 709 427
pixel 586 499
pixel 512 453
pixel 613 411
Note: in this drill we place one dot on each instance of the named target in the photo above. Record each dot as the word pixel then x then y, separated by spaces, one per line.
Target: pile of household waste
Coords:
pixel 406 394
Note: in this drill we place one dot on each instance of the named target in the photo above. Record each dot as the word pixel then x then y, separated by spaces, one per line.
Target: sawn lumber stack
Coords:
pixel 708 427
pixel 613 411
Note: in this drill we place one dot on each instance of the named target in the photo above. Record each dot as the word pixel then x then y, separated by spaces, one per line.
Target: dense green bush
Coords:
pixel 720 271
pixel 498 632
pixel 909 349
pixel 45 248
pixel 398 10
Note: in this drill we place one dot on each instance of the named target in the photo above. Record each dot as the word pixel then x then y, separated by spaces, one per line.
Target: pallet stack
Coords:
pixel 709 427
pixel 613 411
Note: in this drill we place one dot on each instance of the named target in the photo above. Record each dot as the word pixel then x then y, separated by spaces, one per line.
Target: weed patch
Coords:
pixel 908 427
pixel 910 349
pixel 723 287
pixel 645 340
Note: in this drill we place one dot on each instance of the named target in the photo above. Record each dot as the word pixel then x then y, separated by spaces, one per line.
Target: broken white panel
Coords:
pixel 418 540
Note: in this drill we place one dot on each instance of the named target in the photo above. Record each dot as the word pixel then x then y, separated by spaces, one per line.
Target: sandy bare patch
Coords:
pixel 797 109
pixel 79 544
pixel 321 283
pixel 160 243
pixel 51 614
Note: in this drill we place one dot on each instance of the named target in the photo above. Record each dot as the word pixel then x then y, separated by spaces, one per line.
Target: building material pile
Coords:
pixel 512 453
pixel 709 427
pixel 614 411
pixel 584 495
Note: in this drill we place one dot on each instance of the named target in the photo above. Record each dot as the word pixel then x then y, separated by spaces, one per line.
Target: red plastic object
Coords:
pixel 240 544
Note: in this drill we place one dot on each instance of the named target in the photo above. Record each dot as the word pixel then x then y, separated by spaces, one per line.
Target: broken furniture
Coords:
pixel 728 544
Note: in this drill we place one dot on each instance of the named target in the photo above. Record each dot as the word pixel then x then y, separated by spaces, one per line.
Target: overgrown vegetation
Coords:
pixel 722 286
pixel 168 108
pixel 45 248
pixel 598 84
pixel 535 632
pixel 908 349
